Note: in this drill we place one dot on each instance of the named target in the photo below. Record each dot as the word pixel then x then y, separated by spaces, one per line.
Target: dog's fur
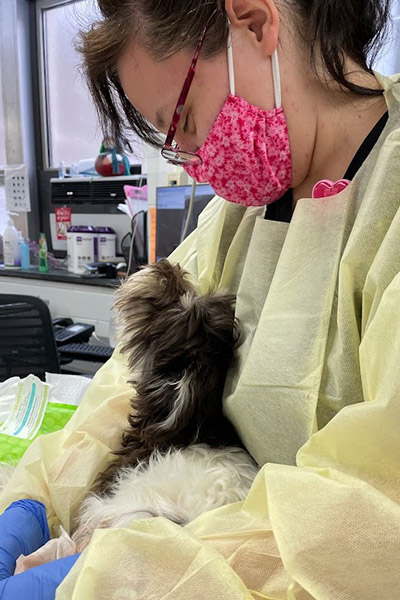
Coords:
pixel 179 346
pixel 179 456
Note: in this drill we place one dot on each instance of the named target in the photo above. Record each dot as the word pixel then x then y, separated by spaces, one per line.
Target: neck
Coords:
pixel 339 132
pixel 326 125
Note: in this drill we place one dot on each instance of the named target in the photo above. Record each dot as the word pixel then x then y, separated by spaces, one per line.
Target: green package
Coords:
pixel 56 416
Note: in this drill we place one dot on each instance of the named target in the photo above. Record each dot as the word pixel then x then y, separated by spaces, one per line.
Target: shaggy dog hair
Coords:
pixel 180 456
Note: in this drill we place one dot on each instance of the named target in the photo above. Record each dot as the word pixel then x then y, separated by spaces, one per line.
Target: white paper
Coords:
pixel 67 389
pixel 28 409
pixel 17 188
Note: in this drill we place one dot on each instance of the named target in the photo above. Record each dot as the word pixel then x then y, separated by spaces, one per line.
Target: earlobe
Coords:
pixel 259 17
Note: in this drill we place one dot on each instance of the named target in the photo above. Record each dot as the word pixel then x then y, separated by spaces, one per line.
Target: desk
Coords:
pixel 83 367
pixel 67 295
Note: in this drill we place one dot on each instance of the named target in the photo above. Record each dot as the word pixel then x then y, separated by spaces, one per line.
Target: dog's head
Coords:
pixel 179 345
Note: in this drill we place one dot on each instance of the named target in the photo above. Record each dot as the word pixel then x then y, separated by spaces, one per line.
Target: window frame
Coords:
pixel 42 72
pixel 19 100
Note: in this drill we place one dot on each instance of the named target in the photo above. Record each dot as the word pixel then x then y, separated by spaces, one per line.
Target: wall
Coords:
pixel 84 303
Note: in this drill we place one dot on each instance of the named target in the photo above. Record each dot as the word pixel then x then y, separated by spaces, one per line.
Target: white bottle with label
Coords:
pixel 12 255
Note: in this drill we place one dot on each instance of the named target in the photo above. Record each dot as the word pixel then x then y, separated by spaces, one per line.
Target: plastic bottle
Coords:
pixel 81 247
pixel 106 243
pixel 12 257
pixel 25 252
pixel 43 257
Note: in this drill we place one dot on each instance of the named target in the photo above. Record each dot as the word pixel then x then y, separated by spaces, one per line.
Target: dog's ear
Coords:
pixel 140 300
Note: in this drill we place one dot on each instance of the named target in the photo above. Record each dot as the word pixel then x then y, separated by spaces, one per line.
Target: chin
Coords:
pixel 178 456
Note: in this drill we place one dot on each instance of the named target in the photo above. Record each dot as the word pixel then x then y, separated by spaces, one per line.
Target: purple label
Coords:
pixel 78 239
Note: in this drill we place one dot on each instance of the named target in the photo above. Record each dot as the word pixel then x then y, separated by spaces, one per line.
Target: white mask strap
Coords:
pixel 230 64
pixel 277 80
pixel 275 72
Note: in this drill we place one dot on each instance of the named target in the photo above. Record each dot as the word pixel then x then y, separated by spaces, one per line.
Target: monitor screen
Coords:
pixel 172 211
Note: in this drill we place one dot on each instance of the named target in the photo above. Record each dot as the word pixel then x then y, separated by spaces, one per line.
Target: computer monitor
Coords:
pixel 172 205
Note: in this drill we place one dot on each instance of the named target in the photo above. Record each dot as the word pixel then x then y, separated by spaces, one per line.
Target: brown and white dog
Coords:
pixel 179 456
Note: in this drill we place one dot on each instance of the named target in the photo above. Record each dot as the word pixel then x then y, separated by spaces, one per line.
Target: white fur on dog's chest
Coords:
pixel 179 485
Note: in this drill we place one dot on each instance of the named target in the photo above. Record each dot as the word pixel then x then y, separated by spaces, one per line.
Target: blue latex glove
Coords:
pixel 39 583
pixel 23 529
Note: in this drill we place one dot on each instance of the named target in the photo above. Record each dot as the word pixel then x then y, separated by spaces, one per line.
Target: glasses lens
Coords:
pixel 180 157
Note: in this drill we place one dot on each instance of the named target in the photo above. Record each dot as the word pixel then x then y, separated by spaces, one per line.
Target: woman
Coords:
pixel 282 113
pixel 331 100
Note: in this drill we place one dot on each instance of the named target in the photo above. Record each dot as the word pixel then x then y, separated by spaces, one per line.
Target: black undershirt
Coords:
pixel 282 209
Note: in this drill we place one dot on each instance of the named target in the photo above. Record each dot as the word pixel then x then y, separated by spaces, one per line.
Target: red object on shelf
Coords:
pixel 104 167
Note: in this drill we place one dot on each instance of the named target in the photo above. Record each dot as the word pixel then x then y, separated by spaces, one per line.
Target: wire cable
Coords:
pixel 133 236
pixel 190 211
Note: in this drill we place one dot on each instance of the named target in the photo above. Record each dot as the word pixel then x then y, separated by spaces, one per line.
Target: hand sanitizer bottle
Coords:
pixel 43 256
pixel 12 256
pixel 25 253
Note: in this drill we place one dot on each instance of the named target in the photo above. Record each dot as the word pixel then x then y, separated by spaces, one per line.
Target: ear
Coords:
pixel 260 18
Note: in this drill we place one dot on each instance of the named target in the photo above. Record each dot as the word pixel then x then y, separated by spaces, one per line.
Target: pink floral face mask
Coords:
pixel 246 157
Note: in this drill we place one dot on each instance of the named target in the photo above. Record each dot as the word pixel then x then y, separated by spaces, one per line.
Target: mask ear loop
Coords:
pixel 230 64
pixel 276 75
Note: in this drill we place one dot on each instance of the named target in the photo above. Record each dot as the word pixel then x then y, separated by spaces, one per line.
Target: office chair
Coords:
pixel 27 343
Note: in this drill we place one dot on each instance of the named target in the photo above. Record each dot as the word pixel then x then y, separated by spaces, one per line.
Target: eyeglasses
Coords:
pixel 170 151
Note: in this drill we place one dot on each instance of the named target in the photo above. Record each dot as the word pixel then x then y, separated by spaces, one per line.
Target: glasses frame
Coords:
pixel 170 151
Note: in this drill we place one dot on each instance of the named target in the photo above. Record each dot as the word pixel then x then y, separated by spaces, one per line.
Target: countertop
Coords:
pixel 59 275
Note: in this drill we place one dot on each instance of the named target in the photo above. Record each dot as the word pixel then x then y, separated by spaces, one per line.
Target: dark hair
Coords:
pixel 332 29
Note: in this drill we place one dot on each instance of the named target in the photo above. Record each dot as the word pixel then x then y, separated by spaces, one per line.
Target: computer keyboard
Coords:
pixel 86 352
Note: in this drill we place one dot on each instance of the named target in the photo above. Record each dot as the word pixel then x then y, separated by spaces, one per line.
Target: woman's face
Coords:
pixel 154 87
pixel 325 126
